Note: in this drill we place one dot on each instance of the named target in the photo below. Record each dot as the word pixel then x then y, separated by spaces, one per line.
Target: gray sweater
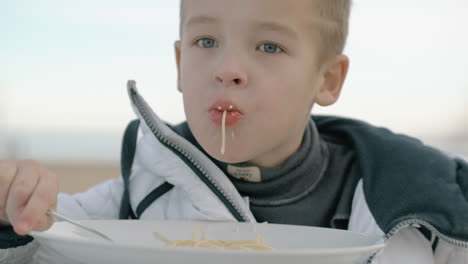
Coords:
pixel 314 186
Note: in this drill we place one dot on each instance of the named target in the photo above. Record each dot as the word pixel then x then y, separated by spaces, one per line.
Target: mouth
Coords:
pixel 233 114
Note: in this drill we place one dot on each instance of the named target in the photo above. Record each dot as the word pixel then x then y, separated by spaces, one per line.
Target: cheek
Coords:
pixel 279 92
pixel 194 69
pixel 261 104
pixel 193 104
pixel 285 100
pixel 189 78
pixel 193 88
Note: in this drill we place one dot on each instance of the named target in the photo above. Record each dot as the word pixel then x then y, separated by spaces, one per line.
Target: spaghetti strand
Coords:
pixel 257 244
pixel 223 133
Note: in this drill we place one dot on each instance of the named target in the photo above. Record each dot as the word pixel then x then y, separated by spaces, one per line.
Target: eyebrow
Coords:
pixel 201 20
pixel 273 26
pixel 258 25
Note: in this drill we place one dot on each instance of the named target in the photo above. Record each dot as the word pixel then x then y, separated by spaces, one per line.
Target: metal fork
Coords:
pixel 92 230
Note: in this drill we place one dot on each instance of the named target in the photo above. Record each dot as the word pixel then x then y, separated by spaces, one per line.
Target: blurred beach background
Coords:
pixel 64 67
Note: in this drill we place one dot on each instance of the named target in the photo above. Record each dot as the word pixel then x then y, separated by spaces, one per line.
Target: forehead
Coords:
pixel 296 14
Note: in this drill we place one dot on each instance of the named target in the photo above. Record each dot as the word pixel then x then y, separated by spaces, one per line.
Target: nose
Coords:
pixel 230 73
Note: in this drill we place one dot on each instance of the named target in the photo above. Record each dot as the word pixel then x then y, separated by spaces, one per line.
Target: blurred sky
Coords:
pixel 64 65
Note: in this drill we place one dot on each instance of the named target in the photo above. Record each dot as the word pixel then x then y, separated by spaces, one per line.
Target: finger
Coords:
pixel 43 198
pixel 53 182
pixel 7 174
pixel 21 190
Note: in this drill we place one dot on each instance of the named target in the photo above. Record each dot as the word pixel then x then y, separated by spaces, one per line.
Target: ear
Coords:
pixel 177 56
pixel 333 74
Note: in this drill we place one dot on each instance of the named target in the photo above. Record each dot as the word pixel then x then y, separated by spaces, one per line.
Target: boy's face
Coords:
pixel 260 57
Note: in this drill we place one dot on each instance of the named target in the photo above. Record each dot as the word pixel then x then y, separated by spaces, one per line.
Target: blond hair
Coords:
pixel 334 30
pixel 334 25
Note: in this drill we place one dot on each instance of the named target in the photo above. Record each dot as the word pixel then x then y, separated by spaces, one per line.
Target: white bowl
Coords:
pixel 135 242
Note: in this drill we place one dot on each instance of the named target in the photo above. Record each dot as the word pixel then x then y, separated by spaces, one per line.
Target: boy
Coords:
pixel 250 72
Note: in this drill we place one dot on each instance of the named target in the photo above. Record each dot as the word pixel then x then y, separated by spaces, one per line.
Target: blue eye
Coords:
pixel 207 43
pixel 270 48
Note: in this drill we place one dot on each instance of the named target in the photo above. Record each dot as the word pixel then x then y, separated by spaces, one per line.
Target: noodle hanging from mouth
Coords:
pixel 257 244
pixel 223 133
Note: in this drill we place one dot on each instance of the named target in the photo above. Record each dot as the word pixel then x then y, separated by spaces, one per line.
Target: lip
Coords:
pixel 233 114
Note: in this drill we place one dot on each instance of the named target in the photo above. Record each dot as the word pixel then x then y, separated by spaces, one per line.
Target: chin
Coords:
pixel 227 157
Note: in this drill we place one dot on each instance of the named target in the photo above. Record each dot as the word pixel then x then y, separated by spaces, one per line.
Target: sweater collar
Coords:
pixel 287 182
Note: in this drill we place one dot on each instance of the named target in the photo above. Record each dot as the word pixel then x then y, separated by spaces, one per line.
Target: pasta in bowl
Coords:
pixel 257 244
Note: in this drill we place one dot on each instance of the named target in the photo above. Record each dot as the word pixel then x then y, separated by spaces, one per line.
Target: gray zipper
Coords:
pixel 415 222
pixel 142 109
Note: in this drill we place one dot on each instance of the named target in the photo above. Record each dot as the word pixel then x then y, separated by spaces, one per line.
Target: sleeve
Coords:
pixel 20 254
pixel 406 246
pixel 447 253
pixel 100 202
